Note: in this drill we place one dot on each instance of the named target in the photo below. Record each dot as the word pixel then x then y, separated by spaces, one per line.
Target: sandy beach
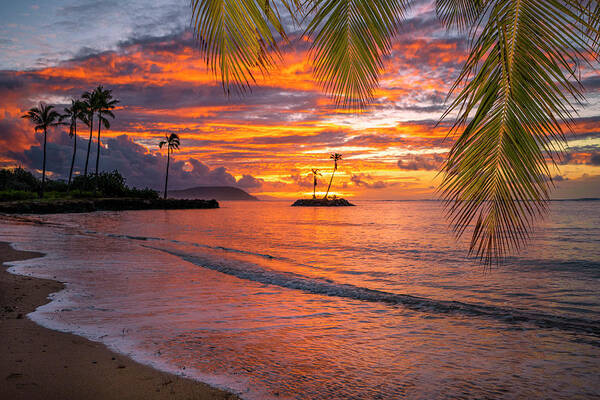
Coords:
pixel 38 363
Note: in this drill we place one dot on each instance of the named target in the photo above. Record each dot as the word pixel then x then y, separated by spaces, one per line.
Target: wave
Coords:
pixel 181 242
pixel 255 273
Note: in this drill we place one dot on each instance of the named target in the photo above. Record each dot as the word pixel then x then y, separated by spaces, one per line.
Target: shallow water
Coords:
pixel 374 301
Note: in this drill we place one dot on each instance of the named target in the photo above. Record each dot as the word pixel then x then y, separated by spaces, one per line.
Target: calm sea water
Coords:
pixel 371 302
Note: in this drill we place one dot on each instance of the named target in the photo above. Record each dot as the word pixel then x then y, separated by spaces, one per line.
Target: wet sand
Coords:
pixel 39 363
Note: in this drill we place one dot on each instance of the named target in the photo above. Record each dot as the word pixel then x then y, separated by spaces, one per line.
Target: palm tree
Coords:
pixel 335 157
pixel 105 103
pixel 172 143
pixel 74 113
pixel 315 172
pixel 514 97
pixel 43 117
pixel 90 101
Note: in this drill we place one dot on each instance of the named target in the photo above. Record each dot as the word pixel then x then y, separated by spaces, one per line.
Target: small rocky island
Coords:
pixel 325 201
pixel 336 202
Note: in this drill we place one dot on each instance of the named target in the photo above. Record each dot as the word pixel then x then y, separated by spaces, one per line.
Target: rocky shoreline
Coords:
pixel 108 204
pixel 338 202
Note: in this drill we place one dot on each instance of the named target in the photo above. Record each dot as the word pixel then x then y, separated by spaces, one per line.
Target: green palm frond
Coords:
pixel 591 12
pixel 461 14
pixel 519 83
pixel 237 38
pixel 350 39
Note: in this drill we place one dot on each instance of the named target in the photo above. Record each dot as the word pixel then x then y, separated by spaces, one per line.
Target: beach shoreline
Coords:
pixel 39 363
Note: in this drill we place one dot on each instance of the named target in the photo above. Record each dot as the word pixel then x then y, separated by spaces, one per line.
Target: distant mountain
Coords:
pixel 212 192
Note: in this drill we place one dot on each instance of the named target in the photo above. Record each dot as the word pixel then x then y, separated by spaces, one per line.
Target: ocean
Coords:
pixel 378 301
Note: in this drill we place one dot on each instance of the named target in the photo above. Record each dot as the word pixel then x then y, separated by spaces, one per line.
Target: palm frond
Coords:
pixel 104 121
pixel 237 38
pixel 519 83
pixel 43 116
pixel 591 11
pixel 350 39
pixel 461 14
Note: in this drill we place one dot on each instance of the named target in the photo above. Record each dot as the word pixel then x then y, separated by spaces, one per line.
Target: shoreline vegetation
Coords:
pixel 39 363
pixel 18 195
pixel 61 206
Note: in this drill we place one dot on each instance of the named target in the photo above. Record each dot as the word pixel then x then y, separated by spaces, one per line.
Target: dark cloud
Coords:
pixel 428 162
pixel 591 83
pixel 139 167
pixel 366 181
pixel 249 182
pixel 587 155
pixel 9 81
pixel 304 180
pixel 556 178
pixel 326 137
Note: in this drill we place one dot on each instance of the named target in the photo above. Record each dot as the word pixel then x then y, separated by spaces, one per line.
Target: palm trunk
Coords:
pixel 44 166
pixel 98 154
pixel 73 158
pixel 314 187
pixel 167 175
pixel 87 158
pixel 329 187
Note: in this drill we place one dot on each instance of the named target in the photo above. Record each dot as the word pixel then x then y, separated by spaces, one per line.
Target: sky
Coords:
pixel 265 142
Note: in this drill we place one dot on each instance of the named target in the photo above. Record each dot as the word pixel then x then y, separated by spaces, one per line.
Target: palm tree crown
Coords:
pixel 104 104
pixel 335 157
pixel 172 143
pixel 76 112
pixel 315 172
pixel 44 117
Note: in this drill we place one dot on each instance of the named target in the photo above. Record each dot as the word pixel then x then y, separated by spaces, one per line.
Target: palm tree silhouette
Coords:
pixel 43 117
pixel 90 101
pixel 105 103
pixel 74 113
pixel 314 173
pixel 172 143
pixel 335 157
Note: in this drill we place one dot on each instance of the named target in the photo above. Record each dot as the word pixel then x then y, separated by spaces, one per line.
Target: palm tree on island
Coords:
pixel 315 172
pixel 335 157
pixel 172 143
pixel 77 111
pixel 104 106
pixel 43 117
